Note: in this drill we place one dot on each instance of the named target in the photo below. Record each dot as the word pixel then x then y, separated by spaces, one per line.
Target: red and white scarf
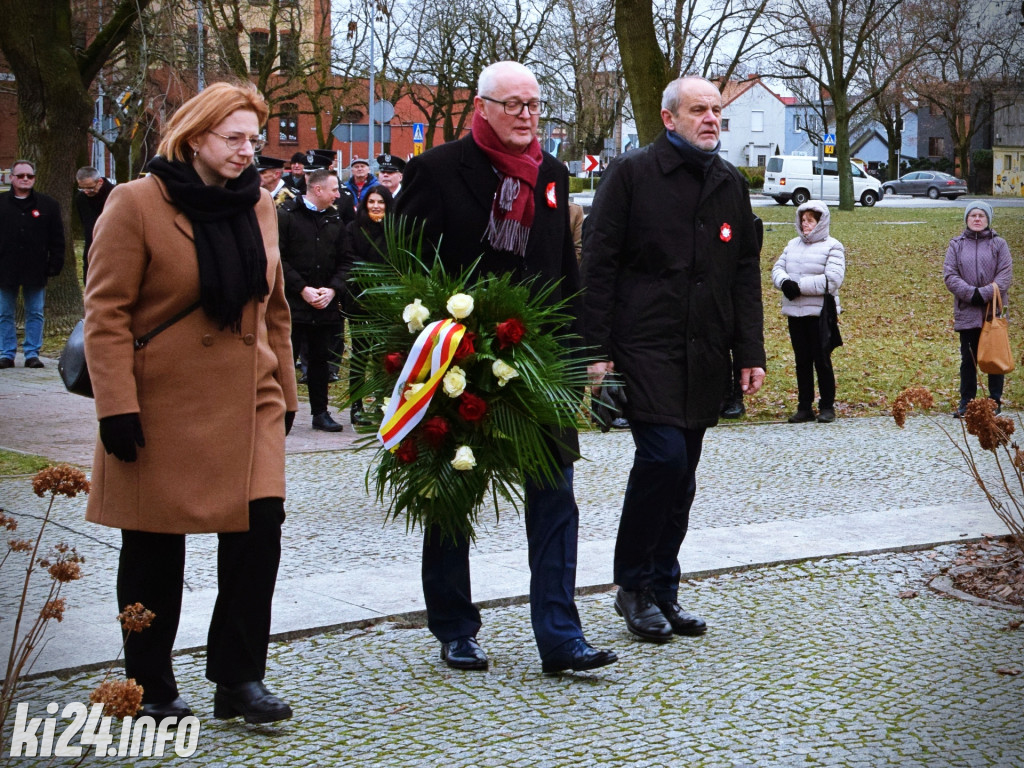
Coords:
pixel 513 207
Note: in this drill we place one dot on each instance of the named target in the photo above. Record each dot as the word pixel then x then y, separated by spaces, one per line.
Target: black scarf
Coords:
pixel 229 244
pixel 695 157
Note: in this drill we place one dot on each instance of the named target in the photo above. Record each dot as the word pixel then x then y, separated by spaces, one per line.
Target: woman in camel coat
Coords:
pixel 193 423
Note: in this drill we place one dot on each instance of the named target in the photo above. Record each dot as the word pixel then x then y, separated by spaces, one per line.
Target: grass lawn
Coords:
pixel 13 463
pixel 897 318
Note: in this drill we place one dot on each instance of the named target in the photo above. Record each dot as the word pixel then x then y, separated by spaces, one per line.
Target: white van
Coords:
pixel 797 178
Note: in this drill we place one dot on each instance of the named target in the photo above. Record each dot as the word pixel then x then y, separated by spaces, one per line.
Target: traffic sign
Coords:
pixel 829 139
pixel 417 133
pixel 590 162
pixel 417 148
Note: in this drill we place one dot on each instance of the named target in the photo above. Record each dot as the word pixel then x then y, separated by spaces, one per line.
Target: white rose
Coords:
pixel 412 389
pixel 414 315
pixel 460 305
pixel 454 381
pixel 503 372
pixel 464 458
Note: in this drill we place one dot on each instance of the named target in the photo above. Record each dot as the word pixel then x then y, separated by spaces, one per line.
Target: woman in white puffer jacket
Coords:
pixel 808 261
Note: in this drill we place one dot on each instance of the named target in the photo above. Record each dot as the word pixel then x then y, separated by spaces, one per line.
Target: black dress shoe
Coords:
pixel 464 653
pixel 250 700
pixel 174 708
pixel 577 655
pixel 683 623
pixel 643 618
pixel 6 362
pixel 733 409
pixel 325 423
pixel 34 362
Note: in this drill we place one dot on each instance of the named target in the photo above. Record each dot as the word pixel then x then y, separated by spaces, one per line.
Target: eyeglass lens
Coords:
pixel 24 175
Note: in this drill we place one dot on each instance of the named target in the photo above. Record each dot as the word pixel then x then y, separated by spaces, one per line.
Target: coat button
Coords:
pixel 249 339
pixel 207 340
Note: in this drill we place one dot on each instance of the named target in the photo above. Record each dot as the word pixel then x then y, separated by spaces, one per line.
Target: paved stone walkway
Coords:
pixel 807 662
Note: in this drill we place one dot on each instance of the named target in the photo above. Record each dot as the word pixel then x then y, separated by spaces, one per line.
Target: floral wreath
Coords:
pixel 469 381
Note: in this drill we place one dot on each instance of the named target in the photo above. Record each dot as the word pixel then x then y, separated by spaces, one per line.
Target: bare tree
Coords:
pixel 698 37
pixel 973 53
pixel 828 43
pixel 582 74
pixel 55 52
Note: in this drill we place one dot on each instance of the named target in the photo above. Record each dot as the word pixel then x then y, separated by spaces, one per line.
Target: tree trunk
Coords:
pixel 643 65
pixel 53 110
pixel 842 116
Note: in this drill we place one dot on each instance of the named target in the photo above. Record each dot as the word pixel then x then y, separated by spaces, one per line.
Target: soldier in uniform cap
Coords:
pixel 389 172
pixel 271 169
pixel 295 179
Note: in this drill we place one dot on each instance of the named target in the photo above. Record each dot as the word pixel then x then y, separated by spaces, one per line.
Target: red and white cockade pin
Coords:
pixel 549 193
pixel 35 213
pixel 725 233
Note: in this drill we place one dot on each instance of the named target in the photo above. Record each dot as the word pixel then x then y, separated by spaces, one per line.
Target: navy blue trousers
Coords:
pixel 656 508
pixel 552 525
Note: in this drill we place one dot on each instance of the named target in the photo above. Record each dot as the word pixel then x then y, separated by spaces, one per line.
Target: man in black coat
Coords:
pixel 451 191
pixel 93 191
pixel 314 255
pixel 671 269
pixel 31 251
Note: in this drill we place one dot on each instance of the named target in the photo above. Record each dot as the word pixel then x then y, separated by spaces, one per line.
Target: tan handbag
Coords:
pixel 994 353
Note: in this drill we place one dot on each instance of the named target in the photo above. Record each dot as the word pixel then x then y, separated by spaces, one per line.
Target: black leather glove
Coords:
pixel 289 419
pixel 976 299
pixel 791 289
pixel 121 434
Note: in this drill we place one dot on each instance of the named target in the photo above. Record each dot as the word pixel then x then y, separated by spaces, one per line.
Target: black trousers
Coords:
pixel 318 339
pixel 969 338
pixel 152 571
pixel 803 333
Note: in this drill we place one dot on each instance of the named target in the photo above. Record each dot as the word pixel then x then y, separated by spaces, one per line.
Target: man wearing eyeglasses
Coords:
pixel 494 195
pixel 31 251
pixel 93 191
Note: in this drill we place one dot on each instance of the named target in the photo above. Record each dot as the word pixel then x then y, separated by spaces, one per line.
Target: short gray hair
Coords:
pixel 87 173
pixel 491 73
pixel 23 161
pixel 670 96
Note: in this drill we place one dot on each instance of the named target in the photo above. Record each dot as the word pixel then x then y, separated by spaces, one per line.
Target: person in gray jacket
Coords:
pixel 975 260
pixel 811 263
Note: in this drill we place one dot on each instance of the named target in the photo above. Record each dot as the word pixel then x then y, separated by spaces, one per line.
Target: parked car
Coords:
pixel 800 178
pixel 935 184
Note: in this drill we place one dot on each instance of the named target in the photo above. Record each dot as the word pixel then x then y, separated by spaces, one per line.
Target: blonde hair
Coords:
pixel 205 110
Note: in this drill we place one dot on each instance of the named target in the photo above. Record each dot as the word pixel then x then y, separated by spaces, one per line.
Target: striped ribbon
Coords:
pixel 433 352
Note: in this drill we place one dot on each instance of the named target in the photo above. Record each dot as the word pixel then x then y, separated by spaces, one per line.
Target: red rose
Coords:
pixel 471 407
pixel 509 332
pixel 465 348
pixel 393 361
pixel 435 430
pixel 407 451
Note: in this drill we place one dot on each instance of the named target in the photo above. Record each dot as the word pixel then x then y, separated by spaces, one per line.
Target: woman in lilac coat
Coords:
pixel 975 260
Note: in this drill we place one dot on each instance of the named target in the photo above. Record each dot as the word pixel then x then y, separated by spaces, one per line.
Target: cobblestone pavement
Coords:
pixel 807 664
pixel 811 664
pixel 748 474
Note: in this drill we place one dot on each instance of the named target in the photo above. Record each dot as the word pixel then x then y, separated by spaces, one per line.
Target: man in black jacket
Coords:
pixel 451 190
pixel 31 251
pixel 93 191
pixel 313 256
pixel 672 275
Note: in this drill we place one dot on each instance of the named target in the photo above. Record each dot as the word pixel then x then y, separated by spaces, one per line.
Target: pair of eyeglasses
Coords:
pixel 515 106
pixel 24 175
pixel 236 141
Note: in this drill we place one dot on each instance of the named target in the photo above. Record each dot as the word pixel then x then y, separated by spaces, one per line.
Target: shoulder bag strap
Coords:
pixel 144 340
